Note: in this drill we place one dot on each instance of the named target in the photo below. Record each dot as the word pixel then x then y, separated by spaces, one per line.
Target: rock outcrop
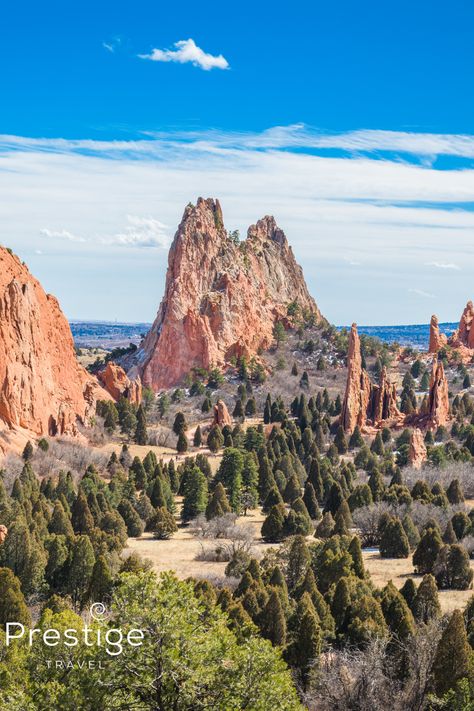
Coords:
pixel 222 298
pixel 115 380
pixel 437 340
pixel 221 415
pixel 417 453
pixel 364 402
pixel 438 401
pixel 43 389
pixel 3 533
pixel 461 341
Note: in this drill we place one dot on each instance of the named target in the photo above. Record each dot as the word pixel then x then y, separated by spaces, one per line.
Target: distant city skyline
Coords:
pixel 352 125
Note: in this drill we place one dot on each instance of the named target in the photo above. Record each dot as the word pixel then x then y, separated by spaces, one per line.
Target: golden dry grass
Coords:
pixel 399 569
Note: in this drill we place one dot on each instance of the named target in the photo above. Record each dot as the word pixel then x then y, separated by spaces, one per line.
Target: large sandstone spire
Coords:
pixel 365 402
pixel 437 340
pixel 221 298
pixel 438 408
pixel 43 389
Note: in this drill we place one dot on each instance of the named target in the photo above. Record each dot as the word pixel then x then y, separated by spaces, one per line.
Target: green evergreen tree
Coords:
pixel 80 569
pixel 311 502
pixel 182 443
pixel 195 494
pixel 273 623
pixel 28 452
pixel 81 517
pixel 273 526
pixel 141 434
pixel 426 553
pixel 100 586
pixel 408 590
pixel 425 605
pixel 394 542
pixel 197 439
pixel 453 654
pixel 218 503
pixel 162 524
pixel 12 603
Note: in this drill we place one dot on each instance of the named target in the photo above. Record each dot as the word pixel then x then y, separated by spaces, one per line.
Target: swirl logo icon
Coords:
pixel 98 611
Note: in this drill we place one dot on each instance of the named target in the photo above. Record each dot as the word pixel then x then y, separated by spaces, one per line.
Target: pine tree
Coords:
pixel 397 612
pixel 355 549
pixel 238 409
pixel 449 536
pixel 100 586
pixel 131 518
pixel 162 524
pixel 425 605
pixel 218 503
pixel 273 526
pixel 408 590
pixel 356 439
pixel 80 570
pixel 340 440
pixel 179 424
pixel 325 527
pixel 334 499
pixel 182 443
pixel 195 494
pixel 215 439
pixel 394 541
pixel 60 522
pixel 307 647
pixel 452 659
pixel 454 492
pixel 81 517
pixel 28 452
pixel 141 434
pixel 311 502
pixel 340 605
pixel 427 551
pixel 273 623
pixel 12 603
pixel 411 531
pixel 299 561
pixel 197 439
pixel 273 499
pixel 292 489
pixel 157 497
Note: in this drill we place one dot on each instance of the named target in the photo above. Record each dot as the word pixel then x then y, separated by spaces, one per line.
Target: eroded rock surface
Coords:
pixel 222 298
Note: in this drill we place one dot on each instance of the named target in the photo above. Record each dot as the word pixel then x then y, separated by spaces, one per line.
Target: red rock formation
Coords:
pixel 43 389
pixel 438 402
pixel 115 380
pixel 465 333
pixel 417 453
pixel 383 401
pixel 221 415
pixel 222 299
pixel 437 340
pixel 3 533
pixel 365 402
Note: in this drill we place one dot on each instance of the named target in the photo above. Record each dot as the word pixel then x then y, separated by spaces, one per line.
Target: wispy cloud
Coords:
pixel 187 52
pixel 141 232
pixel 443 265
pixel 61 234
pixel 420 292
pixel 112 45
pixel 391 215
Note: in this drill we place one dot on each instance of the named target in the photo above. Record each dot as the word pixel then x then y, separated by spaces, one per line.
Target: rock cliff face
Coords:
pixel 462 340
pixel 115 380
pixel 437 339
pixel 417 453
pixel 222 298
pixel 364 402
pixel 43 389
pixel 438 405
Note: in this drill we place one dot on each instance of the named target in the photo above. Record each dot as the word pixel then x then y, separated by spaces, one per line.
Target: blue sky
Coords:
pixel 351 122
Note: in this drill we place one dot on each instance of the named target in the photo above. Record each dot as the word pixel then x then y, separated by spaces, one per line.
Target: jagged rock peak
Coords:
pixel 43 389
pixel 222 297
pixel 364 402
pixel 437 339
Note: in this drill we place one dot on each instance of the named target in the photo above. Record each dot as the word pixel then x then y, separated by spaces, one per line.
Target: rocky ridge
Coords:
pixel 43 389
pixel 222 298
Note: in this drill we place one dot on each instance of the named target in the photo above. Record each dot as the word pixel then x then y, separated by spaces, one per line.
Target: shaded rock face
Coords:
pixel 462 340
pixel 417 453
pixel 43 389
pixel 438 402
pixel 115 380
pixel 437 339
pixel 221 299
pixel 3 533
pixel 221 415
pixel 365 403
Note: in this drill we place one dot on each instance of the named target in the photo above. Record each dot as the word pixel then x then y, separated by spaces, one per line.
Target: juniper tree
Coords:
pixel 453 655
pixel 425 605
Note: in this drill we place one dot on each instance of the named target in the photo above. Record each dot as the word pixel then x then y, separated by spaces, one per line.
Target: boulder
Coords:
pixel 115 380
pixel 221 415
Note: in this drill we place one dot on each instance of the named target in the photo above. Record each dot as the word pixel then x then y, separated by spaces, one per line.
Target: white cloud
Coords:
pixel 109 47
pixel 420 292
pixel 187 51
pixel 61 234
pixel 443 265
pixel 142 232
pixel 390 216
